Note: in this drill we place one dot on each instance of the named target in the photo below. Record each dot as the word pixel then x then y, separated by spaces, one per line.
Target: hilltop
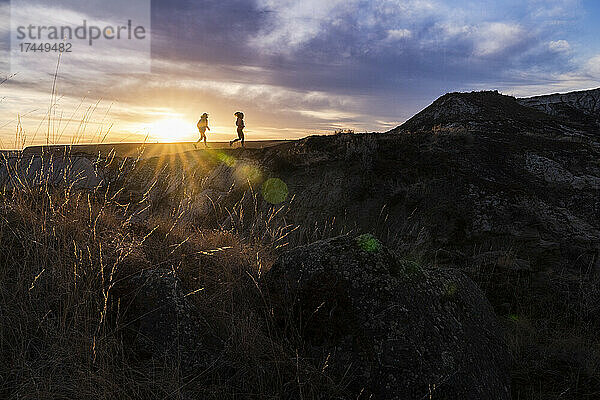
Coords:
pixel 571 114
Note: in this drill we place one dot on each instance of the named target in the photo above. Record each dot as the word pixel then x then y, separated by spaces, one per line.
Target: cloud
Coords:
pixel 592 67
pixel 555 11
pixel 398 34
pixel 559 46
pixel 294 23
pixel 357 46
pixel 497 37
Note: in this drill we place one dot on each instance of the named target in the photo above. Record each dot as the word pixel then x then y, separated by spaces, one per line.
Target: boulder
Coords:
pixel 396 330
pixel 158 322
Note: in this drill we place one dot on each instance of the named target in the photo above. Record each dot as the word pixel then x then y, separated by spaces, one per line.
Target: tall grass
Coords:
pixel 66 246
pixel 68 243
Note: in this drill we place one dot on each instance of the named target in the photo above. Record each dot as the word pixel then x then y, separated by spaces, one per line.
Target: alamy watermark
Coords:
pixel 90 35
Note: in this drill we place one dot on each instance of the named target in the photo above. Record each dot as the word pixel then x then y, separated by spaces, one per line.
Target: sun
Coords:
pixel 172 130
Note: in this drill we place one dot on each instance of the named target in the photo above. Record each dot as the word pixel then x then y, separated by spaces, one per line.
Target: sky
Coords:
pixel 294 68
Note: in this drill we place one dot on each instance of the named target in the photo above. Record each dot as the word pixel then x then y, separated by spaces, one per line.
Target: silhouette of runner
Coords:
pixel 240 128
pixel 202 127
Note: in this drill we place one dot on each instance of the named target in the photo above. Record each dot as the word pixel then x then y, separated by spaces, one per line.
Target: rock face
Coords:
pixel 583 105
pixel 400 331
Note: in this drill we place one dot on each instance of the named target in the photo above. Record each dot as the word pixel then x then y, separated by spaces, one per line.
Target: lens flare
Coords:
pixel 274 191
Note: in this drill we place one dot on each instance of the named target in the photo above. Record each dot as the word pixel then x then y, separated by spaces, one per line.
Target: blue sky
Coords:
pixel 300 67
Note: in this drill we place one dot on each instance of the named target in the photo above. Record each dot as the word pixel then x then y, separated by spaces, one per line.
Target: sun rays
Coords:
pixel 172 129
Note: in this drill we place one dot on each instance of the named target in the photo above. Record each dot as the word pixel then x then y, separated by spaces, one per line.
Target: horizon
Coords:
pixel 294 68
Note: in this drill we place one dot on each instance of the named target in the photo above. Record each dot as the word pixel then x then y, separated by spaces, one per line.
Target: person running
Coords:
pixel 202 127
pixel 240 128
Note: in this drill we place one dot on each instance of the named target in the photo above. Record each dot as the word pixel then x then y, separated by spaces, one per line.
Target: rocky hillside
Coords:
pixel 472 174
pixel 582 106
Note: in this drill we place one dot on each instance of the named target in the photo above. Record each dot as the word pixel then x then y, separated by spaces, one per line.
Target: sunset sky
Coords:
pixel 297 67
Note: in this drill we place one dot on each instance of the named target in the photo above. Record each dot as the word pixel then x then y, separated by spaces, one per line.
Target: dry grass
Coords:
pixel 63 251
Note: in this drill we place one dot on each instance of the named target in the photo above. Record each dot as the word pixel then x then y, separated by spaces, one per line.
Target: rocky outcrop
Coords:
pixel 582 106
pixel 396 330
pixel 553 172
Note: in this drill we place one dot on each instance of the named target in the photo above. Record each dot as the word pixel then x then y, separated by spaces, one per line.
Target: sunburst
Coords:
pixel 172 130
